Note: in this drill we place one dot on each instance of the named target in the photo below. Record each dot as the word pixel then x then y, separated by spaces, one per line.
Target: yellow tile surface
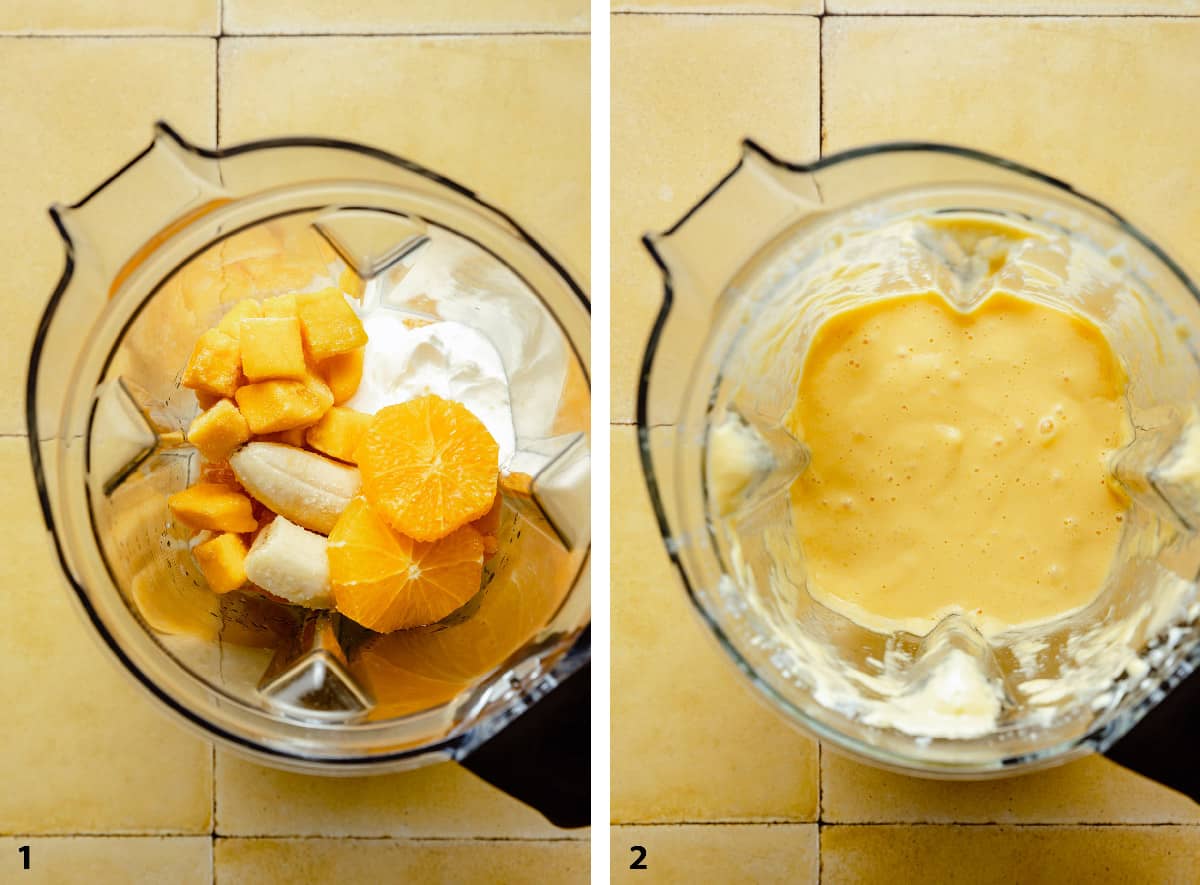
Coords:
pixel 129 860
pixel 401 16
pixel 1092 790
pixel 282 862
pixel 443 800
pixel 807 7
pixel 690 742
pixel 1003 855
pixel 88 752
pixel 75 111
pixel 1018 7
pixel 754 854
pixel 1093 101
pixel 109 17
pixel 505 116
pixel 685 91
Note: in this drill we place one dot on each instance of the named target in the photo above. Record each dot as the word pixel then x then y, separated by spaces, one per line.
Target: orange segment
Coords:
pixel 428 466
pixel 386 582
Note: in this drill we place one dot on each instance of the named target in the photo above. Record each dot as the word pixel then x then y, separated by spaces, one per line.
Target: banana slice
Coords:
pixel 307 488
pixel 290 562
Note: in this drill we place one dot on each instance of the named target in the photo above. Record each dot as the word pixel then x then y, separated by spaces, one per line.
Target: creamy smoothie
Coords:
pixel 959 462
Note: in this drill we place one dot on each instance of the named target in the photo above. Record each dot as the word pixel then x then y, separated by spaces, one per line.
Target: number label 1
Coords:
pixel 641 856
pixel 24 849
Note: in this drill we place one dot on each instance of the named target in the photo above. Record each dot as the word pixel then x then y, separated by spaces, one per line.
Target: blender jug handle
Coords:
pixel 1164 744
pixel 543 758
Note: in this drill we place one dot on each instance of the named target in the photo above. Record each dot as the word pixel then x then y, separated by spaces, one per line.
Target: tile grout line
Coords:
pixel 929 824
pixel 266 35
pixel 821 86
pixel 1014 17
pixel 217 95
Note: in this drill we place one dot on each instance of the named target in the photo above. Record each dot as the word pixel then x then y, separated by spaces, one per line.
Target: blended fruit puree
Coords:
pixel 958 461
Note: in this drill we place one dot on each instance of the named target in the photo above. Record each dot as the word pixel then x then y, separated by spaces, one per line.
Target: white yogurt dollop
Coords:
pixel 448 359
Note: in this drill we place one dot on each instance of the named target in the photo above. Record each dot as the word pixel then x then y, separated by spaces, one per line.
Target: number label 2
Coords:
pixel 638 862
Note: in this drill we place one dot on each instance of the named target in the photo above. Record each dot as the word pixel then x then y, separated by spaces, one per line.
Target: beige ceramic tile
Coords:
pixel 453 862
pixel 1003 855
pixel 444 801
pixel 806 7
pixel 1093 101
pixel 685 91
pixel 690 742
pixel 75 110
pixel 1018 7
pixel 729 854
pixel 505 116
pixel 1092 790
pixel 126 860
pixel 109 17
pixel 402 16
pixel 84 750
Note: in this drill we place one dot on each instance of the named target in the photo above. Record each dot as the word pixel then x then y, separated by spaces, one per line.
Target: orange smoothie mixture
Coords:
pixel 958 462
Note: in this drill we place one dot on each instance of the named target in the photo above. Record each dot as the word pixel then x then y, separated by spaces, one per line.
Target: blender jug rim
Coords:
pixel 458 742
pixel 1101 735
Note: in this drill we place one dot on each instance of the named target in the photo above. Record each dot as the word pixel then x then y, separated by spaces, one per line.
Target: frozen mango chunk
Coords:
pixel 281 306
pixel 272 348
pixel 330 325
pixel 343 374
pixel 231 323
pixel 215 365
pixel 293 437
pixel 207 400
pixel 272 406
pixel 317 386
pixel 219 430
pixel 338 432
pixel 212 506
pixel 223 562
pixel 352 284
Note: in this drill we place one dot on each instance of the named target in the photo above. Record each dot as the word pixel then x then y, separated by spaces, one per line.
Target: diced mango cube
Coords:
pixel 218 431
pixel 330 325
pixel 272 348
pixel 352 284
pixel 231 323
pixel 210 505
pixel 215 365
pixel 223 562
pixel 207 400
pixel 317 386
pixel 343 374
pixel 219 471
pixel 272 406
pixel 338 432
pixel 281 306
pixel 293 437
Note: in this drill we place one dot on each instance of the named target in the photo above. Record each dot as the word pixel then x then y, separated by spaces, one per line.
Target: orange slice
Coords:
pixel 428 466
pixel 386 582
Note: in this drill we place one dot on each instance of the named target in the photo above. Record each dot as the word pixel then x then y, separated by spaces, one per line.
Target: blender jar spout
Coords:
pixel 700 256
pixel 114 228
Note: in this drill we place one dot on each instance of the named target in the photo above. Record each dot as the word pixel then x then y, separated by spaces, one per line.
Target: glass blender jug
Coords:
pixel 750 273
pixel 154 256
